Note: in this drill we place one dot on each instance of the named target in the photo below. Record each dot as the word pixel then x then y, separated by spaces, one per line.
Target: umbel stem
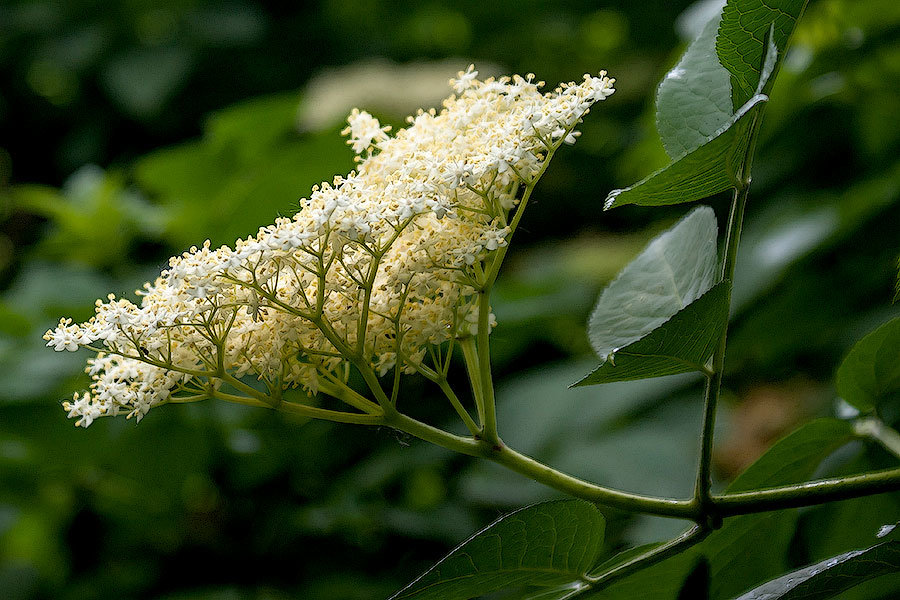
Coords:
pixel 725 505
pixel 704 508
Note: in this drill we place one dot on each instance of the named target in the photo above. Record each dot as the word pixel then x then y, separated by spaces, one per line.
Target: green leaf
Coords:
pixel 694 99
pixel 871 370
pixel 675 269
pixel 662 581
pixel 696 584
pixel 682 344
pixel 709 169
pixel 742 41
pixel 708 143
pixel 622 557
pixel 794 458
pixel 561 592
pixel 694 117
pixel 751 548
pixel 827 578
pixel 548 544
pixel 837 527
pixel 897 285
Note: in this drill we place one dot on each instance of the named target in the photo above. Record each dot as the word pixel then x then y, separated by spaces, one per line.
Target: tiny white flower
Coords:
pixel 464 79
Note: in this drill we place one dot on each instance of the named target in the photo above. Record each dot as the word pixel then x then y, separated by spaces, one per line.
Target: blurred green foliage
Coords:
pixel 195 112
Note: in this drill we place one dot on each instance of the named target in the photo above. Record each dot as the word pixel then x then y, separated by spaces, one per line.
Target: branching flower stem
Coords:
pixel 313 412
pixel 457 405
pixel 788 496
pixel 489 412
pixel 540 472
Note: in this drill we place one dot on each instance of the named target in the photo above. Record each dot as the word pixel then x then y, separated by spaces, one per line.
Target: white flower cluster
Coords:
pixel 373 269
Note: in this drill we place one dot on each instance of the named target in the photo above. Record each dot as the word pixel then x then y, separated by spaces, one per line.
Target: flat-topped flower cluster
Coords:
pixel 373 269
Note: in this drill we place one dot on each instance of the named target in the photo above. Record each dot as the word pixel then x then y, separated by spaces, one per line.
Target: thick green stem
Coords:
pixel 804 494
pixel 704 471
pixel 808 494
pixel 487 408
pixel 714 379
pixel 735 224
pixel 563 482
pixel 789 496
pixel 464 445
pixel 484 396
pixel 542 473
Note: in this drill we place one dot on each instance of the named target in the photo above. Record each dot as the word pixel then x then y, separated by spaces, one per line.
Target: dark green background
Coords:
pixel 130 130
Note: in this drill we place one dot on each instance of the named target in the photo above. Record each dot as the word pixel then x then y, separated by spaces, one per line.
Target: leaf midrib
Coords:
pixel 575 575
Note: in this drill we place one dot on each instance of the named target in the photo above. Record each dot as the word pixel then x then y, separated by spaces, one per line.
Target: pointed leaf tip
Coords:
pixel 610 201
pixel 703 172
